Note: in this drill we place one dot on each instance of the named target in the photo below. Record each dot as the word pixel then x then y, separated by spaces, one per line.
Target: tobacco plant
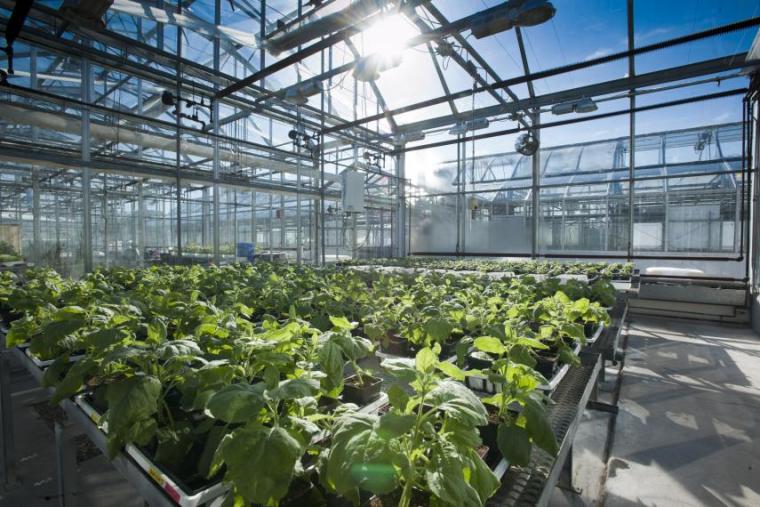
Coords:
pixel 426 442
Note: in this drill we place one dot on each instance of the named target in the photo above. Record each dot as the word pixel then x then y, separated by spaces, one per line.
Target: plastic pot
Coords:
pixel 361 393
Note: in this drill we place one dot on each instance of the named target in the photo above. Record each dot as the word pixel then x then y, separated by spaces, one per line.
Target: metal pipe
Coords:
pixel 689 100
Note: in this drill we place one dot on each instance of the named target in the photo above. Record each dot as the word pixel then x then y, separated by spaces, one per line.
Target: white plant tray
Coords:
pixel 482 384
pixel 172 489
pixel 44 364
pixel 597 334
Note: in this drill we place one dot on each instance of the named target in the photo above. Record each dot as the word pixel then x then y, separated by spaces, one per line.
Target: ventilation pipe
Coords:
pixel 72 125
pixel 351 15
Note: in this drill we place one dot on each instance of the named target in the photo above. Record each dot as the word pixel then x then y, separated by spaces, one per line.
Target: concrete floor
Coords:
pixel 688 431
pixel 687 434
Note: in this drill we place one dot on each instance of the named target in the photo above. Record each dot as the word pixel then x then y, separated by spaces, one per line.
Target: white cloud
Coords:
pixel 598 54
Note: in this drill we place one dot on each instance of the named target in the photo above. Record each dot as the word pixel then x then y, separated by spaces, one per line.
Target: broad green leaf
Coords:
pixel 331 362
pixel 537 425
pixel 531 343
pixel 451 370
pixel 157 331
pixel 444 475
pixel 438 329
pixel 237 403
pixel 482 477
pixel 361 458
pixel 342 323
pixel 392 425
pixel 514 444
pixel 490 345
pixel 294 388
pixel 178 348
pixel 459 403
pixel 212 440
pixel 425 360
pixel 74 379
pixel 103 338
pixel 261 462
pixel 130 403
pixel 397 397
pixel 402 368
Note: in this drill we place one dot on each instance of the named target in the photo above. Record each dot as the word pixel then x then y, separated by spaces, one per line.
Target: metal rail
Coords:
pixel 534 485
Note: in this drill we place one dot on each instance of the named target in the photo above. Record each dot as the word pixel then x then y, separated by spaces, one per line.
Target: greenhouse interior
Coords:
pixel 379 253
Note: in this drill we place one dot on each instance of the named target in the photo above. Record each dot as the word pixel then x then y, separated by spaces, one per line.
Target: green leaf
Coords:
pixel 342 323
pixel 46 343
pixel 459 403
pixel 444 475
pixel 271 376
pixel 482 477
pixel 490 345
pixel 531 343
pixel 175 348
pixel 438 329
pixel 522 355
pixel 294 388
pixel 425 360
pixel 130 402
pixel 360 457
pixel 213 440
pixel 397 397
pixel 103 338
pixel 402 368
pixel 331 363
pixel 392 425
pixel 514 444
pixel 74 379
pixel 451 370
pixel 157 331
pixel 57 368
pixel 538 426
pixel 237 403
pixel 261 462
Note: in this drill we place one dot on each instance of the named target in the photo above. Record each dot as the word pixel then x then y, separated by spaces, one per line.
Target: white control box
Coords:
pixel 353 191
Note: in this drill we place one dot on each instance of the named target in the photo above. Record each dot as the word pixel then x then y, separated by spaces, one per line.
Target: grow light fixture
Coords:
pixel 299 94
pixel 513 13
pixel 464 126
pixel 370 67
pixel 584 105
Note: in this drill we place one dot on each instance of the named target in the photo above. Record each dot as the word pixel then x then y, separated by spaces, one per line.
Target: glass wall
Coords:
pixel 683 199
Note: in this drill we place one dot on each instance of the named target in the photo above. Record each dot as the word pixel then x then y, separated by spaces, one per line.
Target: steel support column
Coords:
pixel 535 185
pixel 87 245
pixel 215 119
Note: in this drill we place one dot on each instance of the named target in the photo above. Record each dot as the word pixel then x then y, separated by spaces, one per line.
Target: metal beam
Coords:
pixel 605 88
pixel 721 30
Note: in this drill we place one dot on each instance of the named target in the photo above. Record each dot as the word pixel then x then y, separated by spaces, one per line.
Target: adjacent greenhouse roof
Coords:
pixel 697 158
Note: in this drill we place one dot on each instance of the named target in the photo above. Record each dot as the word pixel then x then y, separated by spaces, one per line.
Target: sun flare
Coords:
pixel 387 36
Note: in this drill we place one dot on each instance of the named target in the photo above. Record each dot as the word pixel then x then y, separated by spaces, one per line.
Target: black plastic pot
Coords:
pixel 449 348
pixel 547 365
pixel 478 363
pixel 395 344
pixel 361 393
pixel 590 328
